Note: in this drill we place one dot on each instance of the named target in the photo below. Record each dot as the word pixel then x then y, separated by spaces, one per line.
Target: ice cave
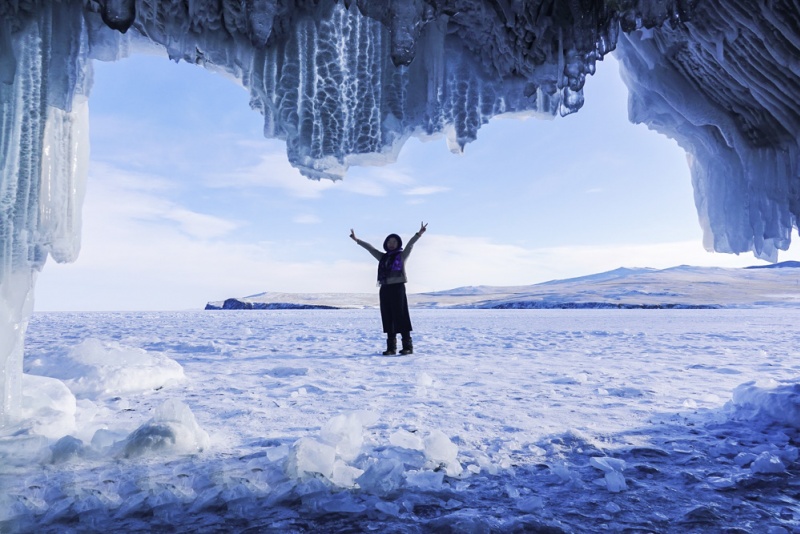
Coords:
pixel 348 82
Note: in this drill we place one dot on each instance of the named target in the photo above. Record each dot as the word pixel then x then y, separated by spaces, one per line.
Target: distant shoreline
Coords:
pixel 236 304
pixel 682 287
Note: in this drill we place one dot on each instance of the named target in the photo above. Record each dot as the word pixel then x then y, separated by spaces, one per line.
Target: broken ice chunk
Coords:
pixel 767 463
pixel 309 456
pixel 439 449
pixel 613 480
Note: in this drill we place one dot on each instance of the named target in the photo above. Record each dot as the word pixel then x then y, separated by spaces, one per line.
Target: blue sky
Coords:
pixel 187 202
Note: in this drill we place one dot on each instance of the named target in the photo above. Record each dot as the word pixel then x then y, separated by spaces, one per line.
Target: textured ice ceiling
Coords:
pixel 347 82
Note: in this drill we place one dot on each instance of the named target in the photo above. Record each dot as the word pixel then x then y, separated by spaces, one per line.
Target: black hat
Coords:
pixel 388 237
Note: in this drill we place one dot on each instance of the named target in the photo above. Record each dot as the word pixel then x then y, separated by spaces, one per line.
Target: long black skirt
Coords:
pixel 394 309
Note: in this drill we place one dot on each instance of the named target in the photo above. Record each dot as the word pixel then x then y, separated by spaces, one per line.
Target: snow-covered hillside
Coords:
pixel 676 287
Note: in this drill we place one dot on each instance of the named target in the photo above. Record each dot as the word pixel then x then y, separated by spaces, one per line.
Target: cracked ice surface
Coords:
pixel 557 421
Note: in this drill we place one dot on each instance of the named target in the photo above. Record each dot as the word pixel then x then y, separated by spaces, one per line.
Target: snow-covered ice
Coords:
pixel 504 420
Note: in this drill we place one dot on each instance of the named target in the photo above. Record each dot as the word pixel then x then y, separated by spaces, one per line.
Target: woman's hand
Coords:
pixel 422 227
pixel 353 235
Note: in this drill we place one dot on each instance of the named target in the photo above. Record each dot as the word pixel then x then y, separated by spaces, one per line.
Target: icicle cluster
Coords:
pixel 43 162
pixel 726 86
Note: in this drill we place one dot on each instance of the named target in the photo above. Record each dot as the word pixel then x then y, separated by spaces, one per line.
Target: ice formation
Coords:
pixel 725 86
pixel 347 82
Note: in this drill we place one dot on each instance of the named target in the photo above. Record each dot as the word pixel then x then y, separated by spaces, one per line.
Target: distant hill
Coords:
pixel 779 265
pixel 684 286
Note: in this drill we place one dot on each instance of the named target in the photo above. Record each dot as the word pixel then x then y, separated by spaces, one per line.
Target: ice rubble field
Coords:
pixel 290 421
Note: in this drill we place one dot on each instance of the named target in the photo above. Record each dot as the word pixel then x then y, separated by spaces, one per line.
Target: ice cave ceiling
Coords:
pixel 347 82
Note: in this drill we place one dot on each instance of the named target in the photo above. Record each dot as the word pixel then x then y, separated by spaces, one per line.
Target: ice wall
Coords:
pixel 726 86
pixel 43 163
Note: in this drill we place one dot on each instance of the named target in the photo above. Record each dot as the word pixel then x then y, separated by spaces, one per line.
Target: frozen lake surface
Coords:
pixel 502 421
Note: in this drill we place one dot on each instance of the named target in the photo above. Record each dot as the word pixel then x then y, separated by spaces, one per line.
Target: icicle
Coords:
pixel 43 166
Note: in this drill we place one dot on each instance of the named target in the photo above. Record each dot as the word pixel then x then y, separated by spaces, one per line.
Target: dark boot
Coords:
pixel 408 348
pixel 391 346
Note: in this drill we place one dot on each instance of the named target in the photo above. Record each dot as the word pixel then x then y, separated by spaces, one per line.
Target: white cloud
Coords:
pixel 127 195
pixel 125 179
pixel 375 181
pixel 306 219
pixel 391 175
pixel 362 186
pixel 132 265
pixel 166 270
pixel 273 171
pixel 199 225
pixel 141 251
pixel 426 190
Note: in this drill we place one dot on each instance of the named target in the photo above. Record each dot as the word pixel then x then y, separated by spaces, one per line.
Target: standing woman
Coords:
pixel 392 279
